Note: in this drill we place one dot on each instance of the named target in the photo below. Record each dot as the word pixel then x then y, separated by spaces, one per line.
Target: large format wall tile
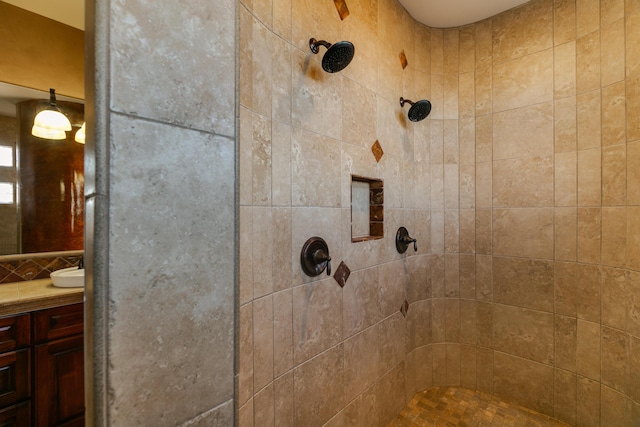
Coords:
pixel 564 402
pixel 316 104
pixel 159 47
pixel 524 81
pixel 317 318
pixel 523 182
pixel 262 342
pixel 587 17
pixel 565 125
pixel 521 132
pixel 145 177
pixel 523 30
pixel 565 331
pixel 361 304
pixel 523 282
pixel 522 332
pixel 318 388
pixel 315 170
pixel 511 372
pixel 564 79
pixel 526 232
pixel 588 62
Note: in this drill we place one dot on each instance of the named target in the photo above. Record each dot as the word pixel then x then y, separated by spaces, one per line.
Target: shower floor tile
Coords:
pixel 461 407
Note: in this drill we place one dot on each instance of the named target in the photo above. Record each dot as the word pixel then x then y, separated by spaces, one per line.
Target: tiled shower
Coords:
pixel 522 188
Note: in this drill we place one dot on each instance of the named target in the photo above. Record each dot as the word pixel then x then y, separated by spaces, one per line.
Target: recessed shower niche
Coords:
pixel 367 208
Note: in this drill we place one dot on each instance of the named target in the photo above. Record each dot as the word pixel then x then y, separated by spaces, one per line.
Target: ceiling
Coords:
pixel 455 13
pixel 434 13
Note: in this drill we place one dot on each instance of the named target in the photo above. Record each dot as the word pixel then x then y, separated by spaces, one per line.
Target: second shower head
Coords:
pixel 419 110
pixel 337 56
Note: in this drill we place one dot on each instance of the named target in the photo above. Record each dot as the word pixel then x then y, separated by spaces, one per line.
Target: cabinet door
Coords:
pixel 16 416
pixel 59 382
pixel 15 332
pixel 14 377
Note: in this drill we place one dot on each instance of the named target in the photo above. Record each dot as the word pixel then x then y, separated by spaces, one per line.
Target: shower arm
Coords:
pixel 402 101
pixel 314 45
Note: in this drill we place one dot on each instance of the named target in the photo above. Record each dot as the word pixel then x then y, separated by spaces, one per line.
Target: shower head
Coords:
pixel 337 56
pixel 419 110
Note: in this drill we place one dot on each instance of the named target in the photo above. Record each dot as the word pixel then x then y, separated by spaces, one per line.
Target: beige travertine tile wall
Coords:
pixel 522 188
pixel 160 245
pixel 311 352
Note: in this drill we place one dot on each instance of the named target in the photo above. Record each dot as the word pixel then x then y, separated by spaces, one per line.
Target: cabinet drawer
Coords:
pixel 14 332
pixel 16 416
pixel 15 370
pixel 58 322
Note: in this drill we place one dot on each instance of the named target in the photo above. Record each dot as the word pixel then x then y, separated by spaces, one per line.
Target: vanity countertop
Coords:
pixel 32 295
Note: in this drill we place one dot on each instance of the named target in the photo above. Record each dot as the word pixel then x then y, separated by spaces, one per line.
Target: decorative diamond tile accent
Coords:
pixel 404 308
pixel 376 148
pixel 341 7
pixel 403 60
pixel 342 274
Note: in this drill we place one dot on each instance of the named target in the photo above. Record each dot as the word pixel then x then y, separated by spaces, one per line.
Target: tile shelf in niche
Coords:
pixel 367 208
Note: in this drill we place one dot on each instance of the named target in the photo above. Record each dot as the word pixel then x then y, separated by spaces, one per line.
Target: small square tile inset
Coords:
pixel 404 308
pixel 376 148
pixel 342 274
pixel 403 60
pixel 341 7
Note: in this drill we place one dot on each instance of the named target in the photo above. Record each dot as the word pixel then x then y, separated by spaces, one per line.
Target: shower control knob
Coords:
pixel 403 240
pixel 322 259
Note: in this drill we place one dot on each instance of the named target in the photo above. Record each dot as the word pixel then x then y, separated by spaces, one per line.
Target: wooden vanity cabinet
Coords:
pixel 16 416
pixel 15 370
pixel 59 366
pixel 42 368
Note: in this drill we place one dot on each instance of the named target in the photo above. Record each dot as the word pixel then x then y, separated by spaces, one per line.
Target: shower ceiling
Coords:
pixel 454 13
pixel 434 13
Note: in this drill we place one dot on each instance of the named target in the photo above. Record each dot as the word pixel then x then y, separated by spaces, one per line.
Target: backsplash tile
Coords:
pixel 34 268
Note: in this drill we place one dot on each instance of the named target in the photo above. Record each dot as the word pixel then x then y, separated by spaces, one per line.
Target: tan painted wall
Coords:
pixel 40 53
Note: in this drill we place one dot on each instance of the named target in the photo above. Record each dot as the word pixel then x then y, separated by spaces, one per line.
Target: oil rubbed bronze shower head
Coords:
pixel 419 110
pixel 337 56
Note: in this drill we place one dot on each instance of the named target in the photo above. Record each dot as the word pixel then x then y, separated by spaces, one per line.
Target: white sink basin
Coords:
pixel 72 277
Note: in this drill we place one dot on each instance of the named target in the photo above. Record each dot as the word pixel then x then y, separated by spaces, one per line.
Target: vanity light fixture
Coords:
pixel 80 134
pixel 50 123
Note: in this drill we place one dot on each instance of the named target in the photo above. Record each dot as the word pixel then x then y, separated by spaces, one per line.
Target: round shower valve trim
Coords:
pixel 314 257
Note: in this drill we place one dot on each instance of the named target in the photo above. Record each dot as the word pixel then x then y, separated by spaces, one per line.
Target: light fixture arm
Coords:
pixel 52 98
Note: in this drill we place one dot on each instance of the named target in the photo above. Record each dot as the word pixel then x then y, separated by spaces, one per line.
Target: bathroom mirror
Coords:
pixel 367 208
pixel 28 75
pixel 41 181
